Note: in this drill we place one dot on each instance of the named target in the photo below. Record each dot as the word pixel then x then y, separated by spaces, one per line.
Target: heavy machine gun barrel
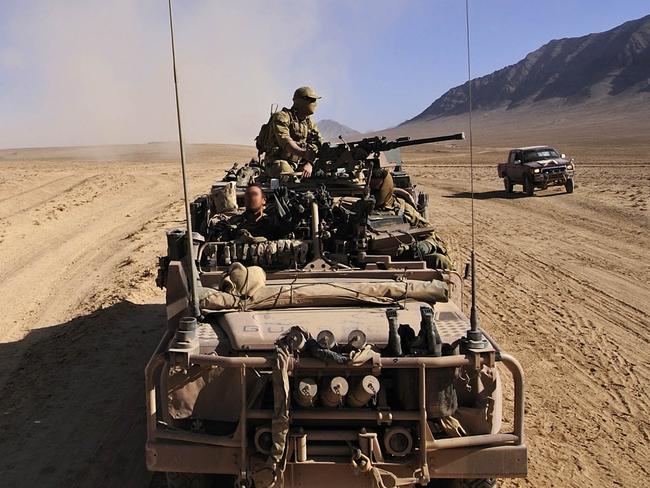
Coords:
pixel 371 145
pixel 406 141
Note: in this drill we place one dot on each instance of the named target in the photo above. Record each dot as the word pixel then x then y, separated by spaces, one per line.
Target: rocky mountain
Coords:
pixel 565 72
pixel 331 129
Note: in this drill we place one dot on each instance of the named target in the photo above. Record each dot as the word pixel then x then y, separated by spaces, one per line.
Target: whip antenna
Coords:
pixel 474 335
pixel 193 278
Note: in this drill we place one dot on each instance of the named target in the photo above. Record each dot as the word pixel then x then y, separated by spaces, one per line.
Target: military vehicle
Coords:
pixel 330 357
pixel 536 167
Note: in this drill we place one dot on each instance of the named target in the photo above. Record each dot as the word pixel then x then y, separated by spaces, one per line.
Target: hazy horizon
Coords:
pixel 99 73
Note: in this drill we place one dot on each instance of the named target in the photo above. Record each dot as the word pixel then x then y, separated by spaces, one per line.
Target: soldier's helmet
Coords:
pixel 305 92
pixel 304 99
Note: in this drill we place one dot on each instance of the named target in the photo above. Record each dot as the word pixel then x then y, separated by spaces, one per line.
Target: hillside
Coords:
pixel 331 130
pixel 595 70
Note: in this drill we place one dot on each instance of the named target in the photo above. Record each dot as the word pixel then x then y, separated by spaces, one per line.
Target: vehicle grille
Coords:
pixel 550 171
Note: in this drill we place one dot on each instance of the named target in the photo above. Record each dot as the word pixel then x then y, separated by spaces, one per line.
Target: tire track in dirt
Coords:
pixel 51 195
pixel 79 383
pixel 78 372
pixel 575 337
pixel 33 188
pixel 51 275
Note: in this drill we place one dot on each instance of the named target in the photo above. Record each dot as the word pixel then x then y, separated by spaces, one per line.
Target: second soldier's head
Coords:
pixel 254 198
pixel 305 101
pixel 381 187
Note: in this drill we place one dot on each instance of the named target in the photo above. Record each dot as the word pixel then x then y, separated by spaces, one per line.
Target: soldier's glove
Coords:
pixel 221 227
pixel 247 238
pixel 403 248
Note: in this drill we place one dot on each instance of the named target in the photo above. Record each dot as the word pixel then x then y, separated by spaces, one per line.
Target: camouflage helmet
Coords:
pixel 304 100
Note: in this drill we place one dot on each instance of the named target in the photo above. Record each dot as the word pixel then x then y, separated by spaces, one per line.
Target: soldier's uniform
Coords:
pixel 288 130
pixel 285 126
pixel 246 226
pixel 429 246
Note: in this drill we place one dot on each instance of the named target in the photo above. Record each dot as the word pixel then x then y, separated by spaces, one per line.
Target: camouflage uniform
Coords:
pixel 246 226
pixel 429 246
pixel 284 126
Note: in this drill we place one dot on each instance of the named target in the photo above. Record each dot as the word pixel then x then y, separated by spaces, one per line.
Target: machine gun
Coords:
pixel 334 156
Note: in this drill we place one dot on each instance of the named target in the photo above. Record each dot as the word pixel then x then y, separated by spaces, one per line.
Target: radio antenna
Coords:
pixel 193 278
pixel 474 335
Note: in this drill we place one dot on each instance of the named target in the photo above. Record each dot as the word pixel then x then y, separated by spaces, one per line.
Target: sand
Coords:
pixel 563 286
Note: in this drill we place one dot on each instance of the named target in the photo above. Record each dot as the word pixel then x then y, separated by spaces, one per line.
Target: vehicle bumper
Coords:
pixel 469 462
pixel 473 456
pixel 552 179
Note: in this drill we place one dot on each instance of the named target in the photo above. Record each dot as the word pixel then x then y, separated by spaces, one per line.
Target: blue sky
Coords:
pixel 92 71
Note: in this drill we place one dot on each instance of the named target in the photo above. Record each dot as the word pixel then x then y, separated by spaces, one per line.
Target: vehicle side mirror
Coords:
pixel 563 156
pixel 517 161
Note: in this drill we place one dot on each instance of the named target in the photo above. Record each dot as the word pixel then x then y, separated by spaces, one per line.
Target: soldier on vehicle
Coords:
pixel 253 224
pixel 290 140
pixel 430 246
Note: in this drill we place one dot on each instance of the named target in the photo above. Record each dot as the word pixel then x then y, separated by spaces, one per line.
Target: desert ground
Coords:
pixel 564 285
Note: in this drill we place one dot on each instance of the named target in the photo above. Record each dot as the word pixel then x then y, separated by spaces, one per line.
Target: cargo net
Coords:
pixel 282 253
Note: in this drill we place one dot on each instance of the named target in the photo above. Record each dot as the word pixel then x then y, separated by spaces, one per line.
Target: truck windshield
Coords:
pixel 539 154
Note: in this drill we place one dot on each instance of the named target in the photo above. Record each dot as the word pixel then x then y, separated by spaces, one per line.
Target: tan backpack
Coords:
pixel 263 141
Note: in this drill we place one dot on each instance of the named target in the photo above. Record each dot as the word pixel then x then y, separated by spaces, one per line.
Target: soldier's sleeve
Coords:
pixel 413 217
pixel 218 227
pixel 280 128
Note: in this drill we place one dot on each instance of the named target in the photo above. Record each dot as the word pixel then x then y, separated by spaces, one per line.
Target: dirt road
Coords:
pixel 80 312
pixel 564 286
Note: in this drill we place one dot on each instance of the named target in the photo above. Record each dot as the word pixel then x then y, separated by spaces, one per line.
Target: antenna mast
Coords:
pixel 193 278
pixel 474 335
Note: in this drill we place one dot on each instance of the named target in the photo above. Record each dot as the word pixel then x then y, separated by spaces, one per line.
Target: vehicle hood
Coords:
pixel 260 329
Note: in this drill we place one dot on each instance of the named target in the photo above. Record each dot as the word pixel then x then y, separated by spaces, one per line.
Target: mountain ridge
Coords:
pixel 573 70
pixel 331 129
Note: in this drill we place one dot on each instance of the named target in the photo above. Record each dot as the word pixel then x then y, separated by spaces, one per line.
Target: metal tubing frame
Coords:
pixel 517 373
pixel 358 414
pixel 242 425
pixel 422 363
pixel 424 467
pixel 309 363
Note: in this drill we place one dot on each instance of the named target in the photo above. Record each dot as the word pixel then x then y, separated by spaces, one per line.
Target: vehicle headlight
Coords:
pixel 569 166
pixel 536 170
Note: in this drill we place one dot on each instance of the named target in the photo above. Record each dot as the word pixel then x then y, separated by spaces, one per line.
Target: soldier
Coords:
pixel 292 138
pixel 254 224
pixel 430 247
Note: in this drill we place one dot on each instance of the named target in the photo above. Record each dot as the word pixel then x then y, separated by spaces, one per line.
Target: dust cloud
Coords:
pixel 95 72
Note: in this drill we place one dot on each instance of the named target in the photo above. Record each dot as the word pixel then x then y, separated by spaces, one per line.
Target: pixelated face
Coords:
pixel 306 105
pixel 254 198
pixel 311 104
